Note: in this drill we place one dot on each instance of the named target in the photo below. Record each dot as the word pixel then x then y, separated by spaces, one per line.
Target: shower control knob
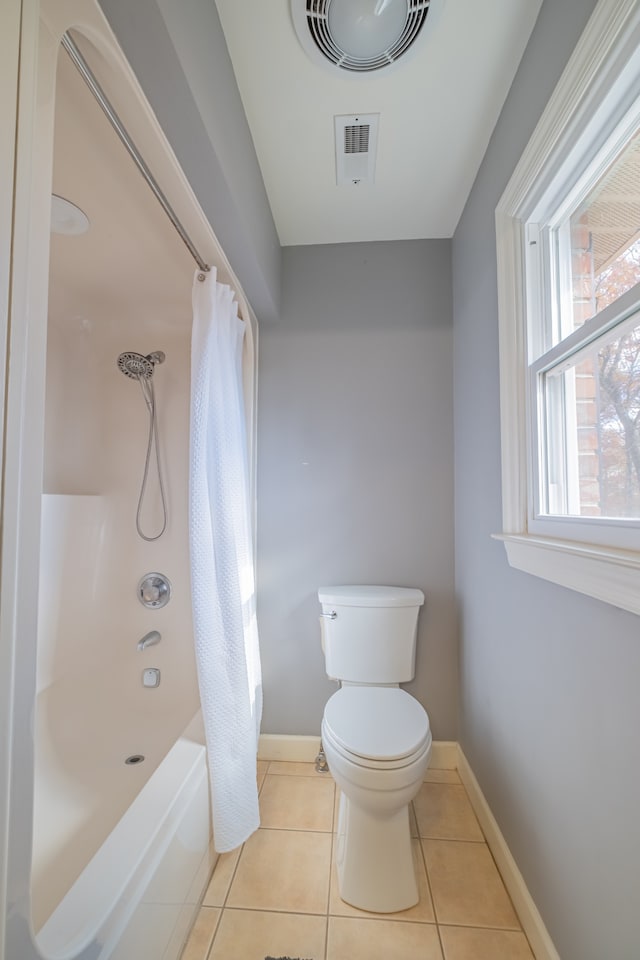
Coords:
pixel 154 591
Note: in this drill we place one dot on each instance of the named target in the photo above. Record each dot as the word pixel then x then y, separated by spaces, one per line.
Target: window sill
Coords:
pixel 607 574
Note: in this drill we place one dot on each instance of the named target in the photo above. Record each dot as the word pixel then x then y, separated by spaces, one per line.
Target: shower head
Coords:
pixel 137 366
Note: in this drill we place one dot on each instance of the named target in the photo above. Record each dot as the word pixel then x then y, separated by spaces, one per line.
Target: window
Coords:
pixel 568 239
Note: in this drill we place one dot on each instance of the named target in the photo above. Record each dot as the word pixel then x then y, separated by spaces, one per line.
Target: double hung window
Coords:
pixel 568 236
pixel 584 351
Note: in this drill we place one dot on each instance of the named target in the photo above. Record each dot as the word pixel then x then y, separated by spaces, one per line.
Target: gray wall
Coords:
pixel 179 55
pixel 550 711
pixel 355 474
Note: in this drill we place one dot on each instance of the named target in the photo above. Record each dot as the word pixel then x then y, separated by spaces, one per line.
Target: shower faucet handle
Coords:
pixel 154 590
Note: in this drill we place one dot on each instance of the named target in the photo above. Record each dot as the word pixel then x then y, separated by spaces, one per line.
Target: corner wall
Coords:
pixel 550 711
pixel 355 473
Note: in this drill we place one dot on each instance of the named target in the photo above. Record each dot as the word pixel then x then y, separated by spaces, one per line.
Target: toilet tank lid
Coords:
pixel 371 596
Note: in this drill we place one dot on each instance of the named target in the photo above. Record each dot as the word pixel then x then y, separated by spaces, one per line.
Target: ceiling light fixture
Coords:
pixel 66 218
pixel 361 36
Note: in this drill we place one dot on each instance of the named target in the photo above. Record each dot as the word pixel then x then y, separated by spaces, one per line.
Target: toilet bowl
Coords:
pixel 377 743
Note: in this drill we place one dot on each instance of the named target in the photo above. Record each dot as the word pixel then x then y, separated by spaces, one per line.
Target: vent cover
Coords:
pixel 356 138
pixel 356 141
pixel 313 23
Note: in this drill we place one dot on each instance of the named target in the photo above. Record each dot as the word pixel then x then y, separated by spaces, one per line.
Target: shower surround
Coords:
pixel 93 710
pixel 103 857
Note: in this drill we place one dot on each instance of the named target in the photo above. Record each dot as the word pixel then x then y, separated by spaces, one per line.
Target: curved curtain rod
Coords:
pixel 113 118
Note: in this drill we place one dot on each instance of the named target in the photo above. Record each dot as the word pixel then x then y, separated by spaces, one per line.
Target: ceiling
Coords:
pixel 437 110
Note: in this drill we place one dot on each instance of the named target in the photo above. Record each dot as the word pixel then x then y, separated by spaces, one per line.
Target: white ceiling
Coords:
pixel 437 111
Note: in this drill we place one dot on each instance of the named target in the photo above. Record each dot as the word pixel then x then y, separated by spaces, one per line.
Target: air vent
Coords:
pixel 356 141
pixel 356 138
pixel 319 29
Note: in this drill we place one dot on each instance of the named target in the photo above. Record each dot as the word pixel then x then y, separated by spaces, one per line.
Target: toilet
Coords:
pixel 376 739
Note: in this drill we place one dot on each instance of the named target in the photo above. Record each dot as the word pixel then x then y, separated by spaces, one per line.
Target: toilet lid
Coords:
pixel 384 723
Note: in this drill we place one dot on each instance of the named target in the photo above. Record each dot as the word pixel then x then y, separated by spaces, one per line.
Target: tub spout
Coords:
pixel 149 639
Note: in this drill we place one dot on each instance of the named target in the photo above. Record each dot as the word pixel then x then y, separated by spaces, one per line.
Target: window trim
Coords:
pixel 601 64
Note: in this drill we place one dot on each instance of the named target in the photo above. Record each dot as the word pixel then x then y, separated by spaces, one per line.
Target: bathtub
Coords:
pixel 138 895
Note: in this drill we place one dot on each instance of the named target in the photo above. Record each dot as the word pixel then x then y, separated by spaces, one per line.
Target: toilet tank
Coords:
pixel 369 632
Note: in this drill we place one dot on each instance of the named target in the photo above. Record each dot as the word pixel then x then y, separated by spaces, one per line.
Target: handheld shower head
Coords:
pixel 137 366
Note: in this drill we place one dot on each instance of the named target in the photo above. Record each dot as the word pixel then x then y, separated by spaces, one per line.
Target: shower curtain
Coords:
pixel 223 596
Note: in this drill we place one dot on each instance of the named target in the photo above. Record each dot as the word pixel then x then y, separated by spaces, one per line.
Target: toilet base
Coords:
pixel 374 859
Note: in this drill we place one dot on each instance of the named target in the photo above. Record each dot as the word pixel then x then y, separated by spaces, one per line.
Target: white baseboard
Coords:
pixel 531 921
pixel 280 746
pixel 444 755
pixel 277 746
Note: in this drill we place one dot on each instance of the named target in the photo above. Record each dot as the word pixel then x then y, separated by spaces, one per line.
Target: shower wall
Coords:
pixel 93 710
pixel 124 285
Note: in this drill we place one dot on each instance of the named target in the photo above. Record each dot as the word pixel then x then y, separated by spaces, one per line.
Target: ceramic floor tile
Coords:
pixel 201 936
pixel 466 886
pixel 297 803
pixel 442 776
pixel 283 870
pixel 444 812
pixel 221 877
pixel 355 939
pixel 252 935
pixel 467 943
pixel 421 913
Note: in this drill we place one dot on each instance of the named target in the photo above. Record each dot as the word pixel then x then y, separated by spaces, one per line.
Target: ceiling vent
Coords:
pixel 356 142
pixel 361 36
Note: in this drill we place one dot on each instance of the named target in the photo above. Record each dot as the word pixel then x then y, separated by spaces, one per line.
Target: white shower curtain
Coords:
pixel 223 596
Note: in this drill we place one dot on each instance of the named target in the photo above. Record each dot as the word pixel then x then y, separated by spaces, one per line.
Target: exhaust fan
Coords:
pixel 361 36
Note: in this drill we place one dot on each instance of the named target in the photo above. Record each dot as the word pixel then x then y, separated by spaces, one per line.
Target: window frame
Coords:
pixel 586 111
pixel 618 317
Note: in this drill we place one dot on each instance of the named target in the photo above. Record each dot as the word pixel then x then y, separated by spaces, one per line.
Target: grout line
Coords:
pixel 451 840
pixel 224 902
pixel 482 926
pixel 499 872
pixel 429 888
pixel 281 911
pixel 296 829
pixel 233 876
pixel 333 842
pixel 215 933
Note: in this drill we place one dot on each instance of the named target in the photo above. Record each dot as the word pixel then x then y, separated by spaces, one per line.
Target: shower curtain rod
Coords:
pixel 113 118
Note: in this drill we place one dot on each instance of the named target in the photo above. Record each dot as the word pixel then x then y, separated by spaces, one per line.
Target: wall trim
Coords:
pixel 528 913
pixel 444 755
pixel 282 746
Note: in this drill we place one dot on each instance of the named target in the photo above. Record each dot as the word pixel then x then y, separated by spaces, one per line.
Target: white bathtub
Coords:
pixel 137 897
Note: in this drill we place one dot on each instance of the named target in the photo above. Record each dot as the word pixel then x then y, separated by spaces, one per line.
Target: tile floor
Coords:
pixel 277 894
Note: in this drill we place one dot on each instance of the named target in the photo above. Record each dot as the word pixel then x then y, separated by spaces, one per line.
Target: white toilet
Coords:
pixel 376 739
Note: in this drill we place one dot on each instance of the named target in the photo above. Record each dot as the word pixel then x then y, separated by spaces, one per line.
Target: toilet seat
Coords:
pixel 381 727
